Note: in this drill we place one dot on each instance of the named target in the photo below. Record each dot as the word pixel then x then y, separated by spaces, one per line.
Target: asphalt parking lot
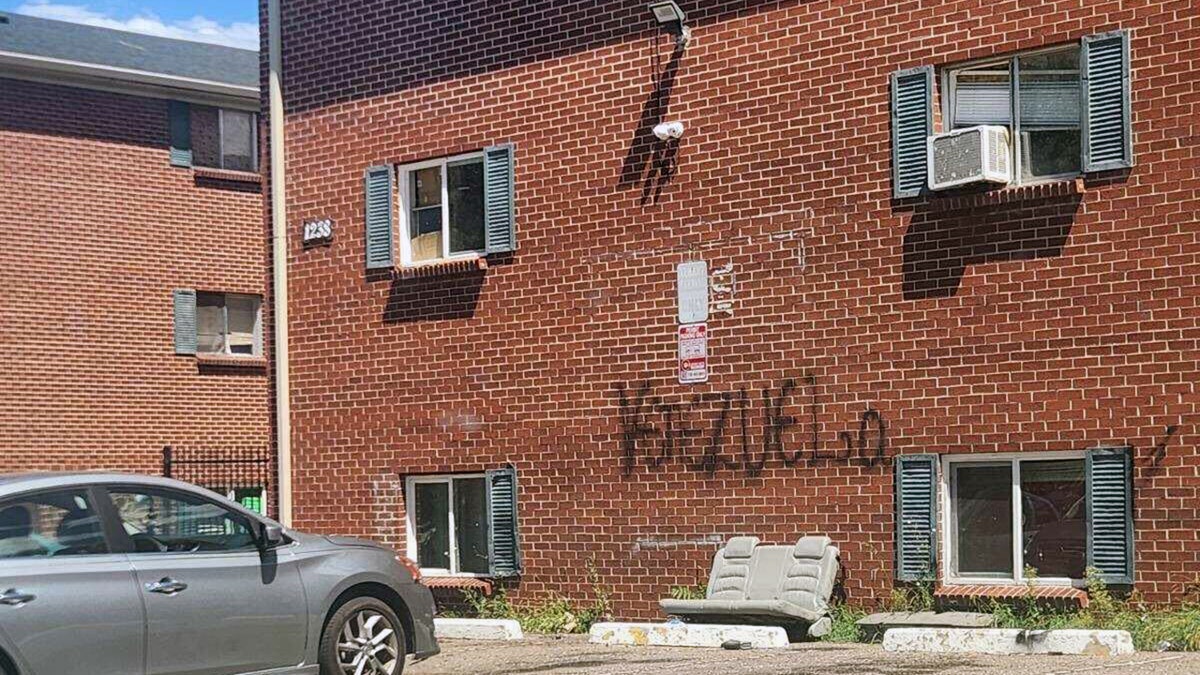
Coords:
pixel 573 654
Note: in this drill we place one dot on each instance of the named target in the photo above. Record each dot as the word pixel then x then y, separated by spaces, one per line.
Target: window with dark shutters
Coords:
pixel 916 517
pixel 180 124
pixel 1110 513
pixel 185 321
pixel 504 549
pixel 912 124
pixel 380 195
pixel 1105 99
pixel 498 193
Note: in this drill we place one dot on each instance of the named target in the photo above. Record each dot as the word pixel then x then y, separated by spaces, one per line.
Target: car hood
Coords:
pixel 319 541
pixel 351 541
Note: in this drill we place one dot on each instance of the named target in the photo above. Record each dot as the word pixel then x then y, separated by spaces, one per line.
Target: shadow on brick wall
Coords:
pixel 650 162
pixel 948 234
pixel 434 298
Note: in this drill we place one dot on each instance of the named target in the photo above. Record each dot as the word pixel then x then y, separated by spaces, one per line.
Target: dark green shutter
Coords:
pixel 380 195
pixel 912 125
pixel 1107 138
pixel 499 221
pixel 916 517
pixel 185 322
pixel 1110 513
pixel 504 550
pixel 181 133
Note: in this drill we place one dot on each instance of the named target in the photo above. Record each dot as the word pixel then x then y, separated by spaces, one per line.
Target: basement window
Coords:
pixel 1044 124
pixel 441 212
pixel 228 324
pixel 1008 516
pixel 448 524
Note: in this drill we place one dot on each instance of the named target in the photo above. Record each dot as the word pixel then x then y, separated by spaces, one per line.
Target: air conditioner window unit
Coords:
pixel 966 156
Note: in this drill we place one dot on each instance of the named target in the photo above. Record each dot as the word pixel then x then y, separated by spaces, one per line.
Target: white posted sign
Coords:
pixel 692 285
pixel 693 353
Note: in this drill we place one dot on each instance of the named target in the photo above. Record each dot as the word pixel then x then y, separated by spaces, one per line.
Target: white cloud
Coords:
pixel 196 29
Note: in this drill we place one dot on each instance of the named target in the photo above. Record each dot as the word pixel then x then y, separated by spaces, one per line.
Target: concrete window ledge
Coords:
pixel 687 635
pixel 477 629
pixel 1008 641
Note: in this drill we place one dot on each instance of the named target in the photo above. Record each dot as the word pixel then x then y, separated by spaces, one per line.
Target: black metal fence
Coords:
pixel 244 475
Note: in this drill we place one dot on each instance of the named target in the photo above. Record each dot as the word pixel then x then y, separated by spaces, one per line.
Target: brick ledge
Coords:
pixel 460 583
pixel 1006 592
pixel 1008 195
pixel 249 363
pixel 440 268
pixel 227 175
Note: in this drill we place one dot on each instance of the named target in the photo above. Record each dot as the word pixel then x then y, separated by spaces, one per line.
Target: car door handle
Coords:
pixel 14 598
pixel 166 586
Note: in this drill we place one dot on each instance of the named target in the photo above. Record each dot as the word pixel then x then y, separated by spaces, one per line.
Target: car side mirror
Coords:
pixel 272 536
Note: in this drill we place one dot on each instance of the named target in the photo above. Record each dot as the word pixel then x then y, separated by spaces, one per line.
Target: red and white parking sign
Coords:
pixel 693 353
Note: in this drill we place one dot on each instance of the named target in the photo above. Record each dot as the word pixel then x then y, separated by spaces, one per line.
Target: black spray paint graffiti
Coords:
pixel 714 430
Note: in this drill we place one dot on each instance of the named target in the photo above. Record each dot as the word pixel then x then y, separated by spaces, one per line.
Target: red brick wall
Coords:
pixel 99 230
pixel 1039 319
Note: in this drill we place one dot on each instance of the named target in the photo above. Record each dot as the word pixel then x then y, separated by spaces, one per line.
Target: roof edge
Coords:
pixel 127 81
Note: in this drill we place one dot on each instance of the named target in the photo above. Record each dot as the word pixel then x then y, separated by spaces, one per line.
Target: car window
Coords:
pixel 56 523
pixel 160 521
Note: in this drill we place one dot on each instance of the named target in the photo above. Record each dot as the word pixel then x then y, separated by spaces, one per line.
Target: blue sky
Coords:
pixel 227 22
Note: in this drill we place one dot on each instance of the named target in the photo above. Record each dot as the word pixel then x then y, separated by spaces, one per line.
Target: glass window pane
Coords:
pixel 173 522
pixel 983 95
pixel 465 186
pixel 471 525
pixel 427 234
pixel 427 187
pixel 433 525
pixel 210 323
pixel 50 524
pixel 1049 89
pixel 243 319
pixel 237 141
pixel 983 532
pixel 1054 531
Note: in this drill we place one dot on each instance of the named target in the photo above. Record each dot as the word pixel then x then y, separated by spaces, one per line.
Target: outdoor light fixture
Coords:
pixel 668 14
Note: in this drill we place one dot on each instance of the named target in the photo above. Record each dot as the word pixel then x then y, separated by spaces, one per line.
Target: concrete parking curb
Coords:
pixel 687 635
pixel 477 629
pixel 1008 641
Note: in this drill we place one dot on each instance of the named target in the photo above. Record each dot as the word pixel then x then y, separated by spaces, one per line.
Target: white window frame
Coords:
pixel 407 199
pixel 226 352
pixel 947 518
pixel 253 137
pixel 410 515
pixel 949 89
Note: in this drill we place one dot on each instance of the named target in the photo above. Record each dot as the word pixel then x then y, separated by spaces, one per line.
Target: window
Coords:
pixel 239 142
pixel 449 524
pixel 1045 130
pixel 217 138
pixel 1009 514
pixel 228 324
pixel 442 211
pixel 50 524
pixel 160 521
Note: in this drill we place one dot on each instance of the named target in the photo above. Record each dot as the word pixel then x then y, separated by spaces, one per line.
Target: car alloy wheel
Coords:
pixel 368 644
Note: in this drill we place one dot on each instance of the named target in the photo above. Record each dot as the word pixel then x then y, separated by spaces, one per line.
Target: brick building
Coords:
pixel 135 262
pixel 959 382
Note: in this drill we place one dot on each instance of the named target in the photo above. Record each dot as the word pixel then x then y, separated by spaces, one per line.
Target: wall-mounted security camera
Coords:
pixel 668 14
pixel 668 130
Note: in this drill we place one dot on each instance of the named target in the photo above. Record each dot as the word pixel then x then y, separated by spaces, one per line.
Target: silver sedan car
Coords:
pixel 108 574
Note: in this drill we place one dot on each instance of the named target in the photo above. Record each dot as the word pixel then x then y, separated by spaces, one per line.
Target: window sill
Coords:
pixel 954 201
pixel 227 175
pixel 474 583
pixel 223 361
pixel 442 267
pixel 1013 591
